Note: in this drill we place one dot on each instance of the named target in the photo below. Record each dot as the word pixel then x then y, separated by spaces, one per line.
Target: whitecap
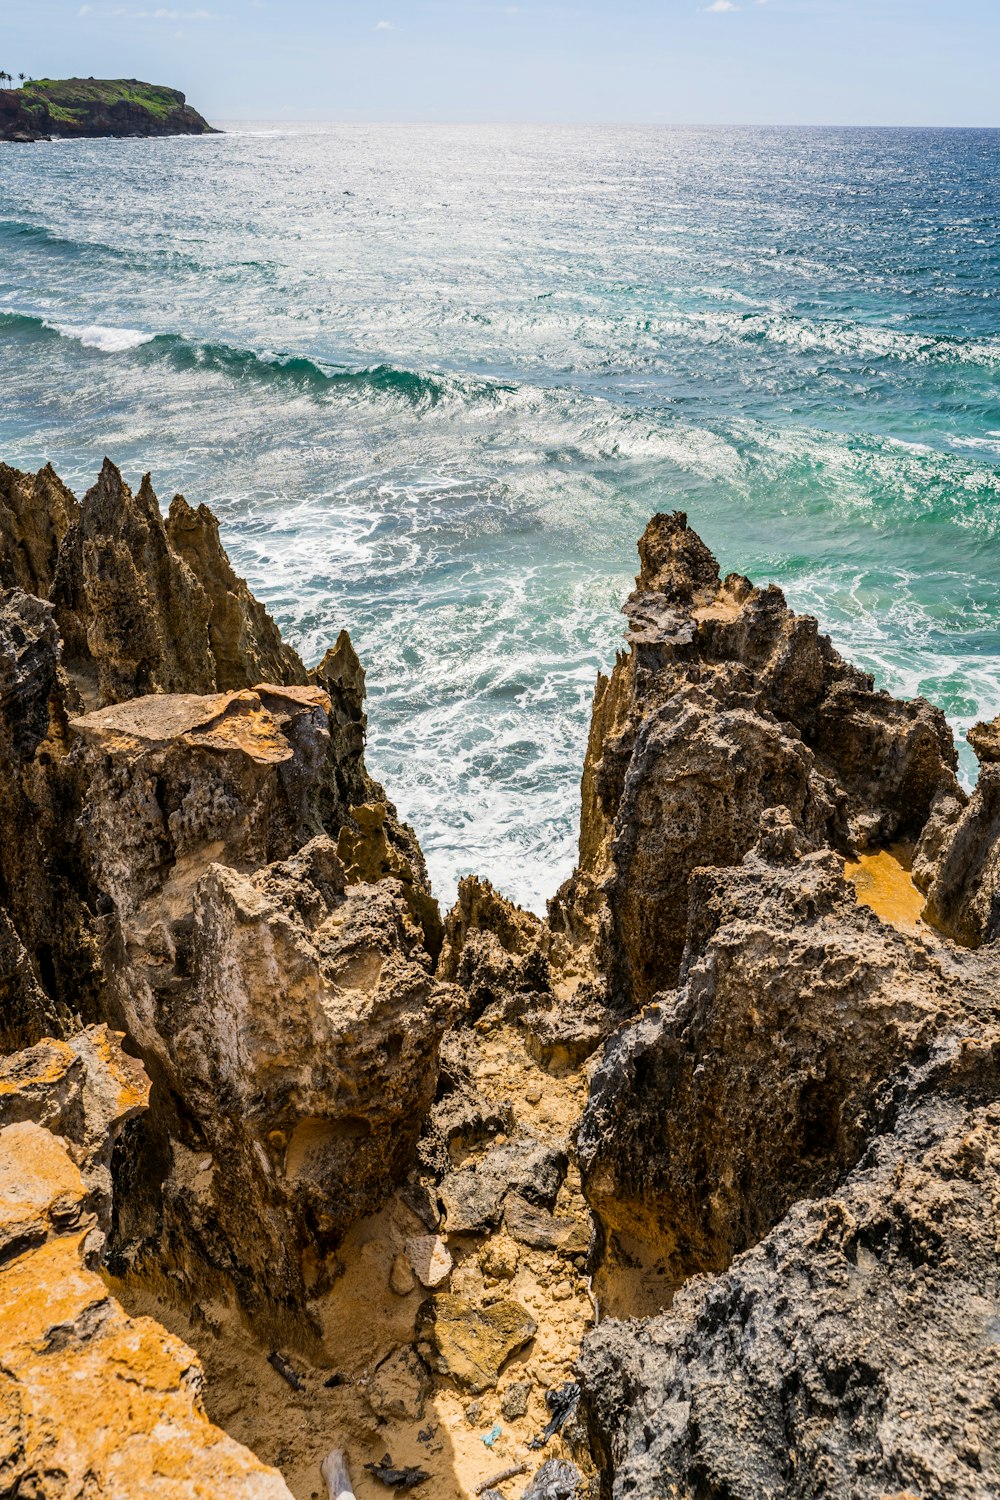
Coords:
pixel 107 340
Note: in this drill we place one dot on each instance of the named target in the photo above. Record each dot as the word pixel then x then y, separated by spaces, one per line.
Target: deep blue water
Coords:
pixel 434 380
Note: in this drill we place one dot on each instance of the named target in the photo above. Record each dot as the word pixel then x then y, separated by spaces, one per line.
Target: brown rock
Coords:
pixel 957 862
pixel 36 511
pixel 727 705
pixel 472 1343
pixel 401 1278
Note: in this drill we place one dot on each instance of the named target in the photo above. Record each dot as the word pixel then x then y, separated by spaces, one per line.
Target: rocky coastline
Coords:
pixel 688 1190
pixel 89 108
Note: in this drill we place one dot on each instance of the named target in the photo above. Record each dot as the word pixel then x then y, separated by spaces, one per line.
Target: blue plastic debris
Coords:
pixel 490 1437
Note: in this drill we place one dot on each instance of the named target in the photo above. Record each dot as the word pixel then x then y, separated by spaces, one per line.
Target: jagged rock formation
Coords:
pixel 957 862
pixel 728 704
pixel 144 607
pixel 791 1124
pixel 92 1402
pixel 854 1352
pixel 207 864
pixel 803 1125
pixel 760 1081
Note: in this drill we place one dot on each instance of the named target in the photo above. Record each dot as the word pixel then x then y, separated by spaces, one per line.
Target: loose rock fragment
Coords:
pixel 401 1278
pixel 429 1259
pixel 472 1343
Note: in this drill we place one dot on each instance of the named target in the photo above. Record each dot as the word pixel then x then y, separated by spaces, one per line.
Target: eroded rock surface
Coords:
pixel 367 1125
pixel 726 705
pixel 92 1402
pixel 202 860
pixel 791 1143
pixel 854 1352
pixel 759 1081
pixel 287 1120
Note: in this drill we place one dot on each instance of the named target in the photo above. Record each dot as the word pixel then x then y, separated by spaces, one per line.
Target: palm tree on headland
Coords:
pixel 20 78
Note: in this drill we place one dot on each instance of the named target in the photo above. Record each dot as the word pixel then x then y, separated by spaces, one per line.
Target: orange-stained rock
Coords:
pixel 83 1090
pixel 40 1189
pixel 92 1402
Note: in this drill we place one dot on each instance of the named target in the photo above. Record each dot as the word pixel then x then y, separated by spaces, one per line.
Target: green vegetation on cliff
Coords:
pixel 75 98
pixel 96 107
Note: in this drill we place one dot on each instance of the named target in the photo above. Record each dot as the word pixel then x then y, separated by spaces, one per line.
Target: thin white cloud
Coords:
pixel 718 5
pixel 384 26
pixel 160 14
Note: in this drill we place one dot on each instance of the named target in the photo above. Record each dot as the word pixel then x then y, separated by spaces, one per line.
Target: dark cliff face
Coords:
pixel 93 107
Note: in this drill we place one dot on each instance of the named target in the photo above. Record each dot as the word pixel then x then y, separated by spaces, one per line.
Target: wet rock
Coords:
pixel 400 1386
pixel 472 1343
pixel 429 1259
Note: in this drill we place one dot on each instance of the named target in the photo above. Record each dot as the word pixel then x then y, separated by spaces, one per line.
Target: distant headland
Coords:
pixel 42 109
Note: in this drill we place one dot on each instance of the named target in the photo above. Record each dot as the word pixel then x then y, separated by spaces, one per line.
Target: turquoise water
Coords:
pixel 434 380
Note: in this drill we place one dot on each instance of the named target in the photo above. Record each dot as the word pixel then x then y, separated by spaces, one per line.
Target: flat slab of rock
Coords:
pixel 251 721
pixel 472 1343
pixel 429 1258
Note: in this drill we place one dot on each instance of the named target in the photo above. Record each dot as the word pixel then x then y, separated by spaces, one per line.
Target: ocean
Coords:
pixel 434 380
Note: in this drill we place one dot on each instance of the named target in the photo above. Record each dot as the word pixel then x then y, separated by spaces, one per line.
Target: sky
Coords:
pixel 804 62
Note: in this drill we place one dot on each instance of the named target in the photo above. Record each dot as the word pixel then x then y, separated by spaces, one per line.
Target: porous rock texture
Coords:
pixel 728 704
pixel 92 1402
pixel 196 854
pixel 798 1125
pixel 854 1352
pixel 789 1107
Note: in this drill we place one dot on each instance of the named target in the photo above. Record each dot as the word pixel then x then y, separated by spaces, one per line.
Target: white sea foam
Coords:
pixel 107 340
